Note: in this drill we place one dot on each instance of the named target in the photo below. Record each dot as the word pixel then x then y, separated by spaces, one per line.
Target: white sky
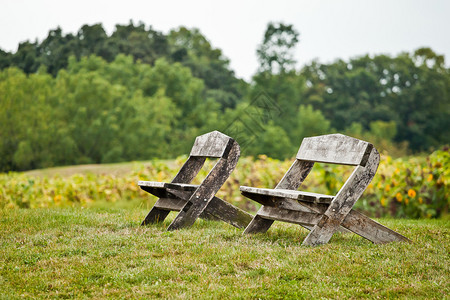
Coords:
pixel 329 29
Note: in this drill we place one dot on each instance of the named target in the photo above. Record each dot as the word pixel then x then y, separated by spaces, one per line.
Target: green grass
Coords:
pixel 100 253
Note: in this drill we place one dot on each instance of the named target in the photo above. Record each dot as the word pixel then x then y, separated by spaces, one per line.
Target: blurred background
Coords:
pixel 96 82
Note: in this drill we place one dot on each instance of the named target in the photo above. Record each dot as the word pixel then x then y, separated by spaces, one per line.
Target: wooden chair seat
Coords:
pixel 273 194
pixel 168 185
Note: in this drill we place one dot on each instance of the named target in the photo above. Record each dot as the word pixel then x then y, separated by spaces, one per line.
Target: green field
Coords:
pixel 105 253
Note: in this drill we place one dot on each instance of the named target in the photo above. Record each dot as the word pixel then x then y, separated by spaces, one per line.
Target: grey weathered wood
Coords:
pixel 362 225
pixel 334 149
pixel 323 214
pixel 291 216
pixel 170 204
pixel 276 194
pixel 290 204
pixel 194 201
pixel 371 230
pixel 206 191
pixel 341 205
pixel 155 215
pixel 212 144
pixel 295 176
pixel 258 225
pixel 168 185
pixel 189 170
pixel 228 213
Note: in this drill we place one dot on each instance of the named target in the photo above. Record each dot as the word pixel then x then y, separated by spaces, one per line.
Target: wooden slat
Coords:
pixel 212 144
pixel 165 189
pixel 170 204
pixel 371 230
pixel 291 216
pixel 227 212
pixel 295 176
pixel 281 193
pixel 155 215
pixel 335 149
pixel 185 175
pixel 258 225
pixel 153 184
pixel 189 170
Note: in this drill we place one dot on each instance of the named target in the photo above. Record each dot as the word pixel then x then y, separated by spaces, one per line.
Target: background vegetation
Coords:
pixel 413 188
pixel 139 94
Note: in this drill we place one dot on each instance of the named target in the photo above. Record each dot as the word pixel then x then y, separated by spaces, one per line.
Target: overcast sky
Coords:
pixel 329 29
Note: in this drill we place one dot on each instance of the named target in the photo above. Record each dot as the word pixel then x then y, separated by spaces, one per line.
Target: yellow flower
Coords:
pixel 411 193
pixel 383 201
pixel 420 200
pixel 397 171
pixel 57 199
pixel 406 200
pixel 387 188
pixel 430 177
pixel 399 197
pixel 262 157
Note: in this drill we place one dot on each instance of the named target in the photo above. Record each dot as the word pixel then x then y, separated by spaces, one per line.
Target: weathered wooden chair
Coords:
pixel 193 201
pixel 322 214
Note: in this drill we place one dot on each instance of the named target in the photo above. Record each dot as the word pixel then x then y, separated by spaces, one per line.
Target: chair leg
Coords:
pixel 227 212
pixel 155 215
pixel 321 233
pixel 371 230
pixel 258 225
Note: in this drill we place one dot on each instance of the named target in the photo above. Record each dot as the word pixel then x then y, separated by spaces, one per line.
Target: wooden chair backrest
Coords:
pixel 330 148
pixel 335 149
pixel 213 144
pixel 210 145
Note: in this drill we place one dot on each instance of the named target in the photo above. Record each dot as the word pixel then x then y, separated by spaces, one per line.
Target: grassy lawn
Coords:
pixel 99 253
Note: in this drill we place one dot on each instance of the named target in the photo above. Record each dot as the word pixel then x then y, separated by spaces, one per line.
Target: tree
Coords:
pixel 193 50
pixel 275 53
pixel 410 90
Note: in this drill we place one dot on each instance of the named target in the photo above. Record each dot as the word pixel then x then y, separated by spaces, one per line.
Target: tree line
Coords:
pixel 139 94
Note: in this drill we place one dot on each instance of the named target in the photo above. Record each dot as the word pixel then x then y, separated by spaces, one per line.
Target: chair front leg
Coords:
pixel 156 215
pixel 343 203
pixel 258 225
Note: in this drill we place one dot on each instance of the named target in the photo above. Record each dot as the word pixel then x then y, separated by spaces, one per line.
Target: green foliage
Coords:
pixel 94 112
pixel 410 90
pixel 310 123
pixel 417 187
pixel 275 52
pixel 139 94
pixel 146 45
